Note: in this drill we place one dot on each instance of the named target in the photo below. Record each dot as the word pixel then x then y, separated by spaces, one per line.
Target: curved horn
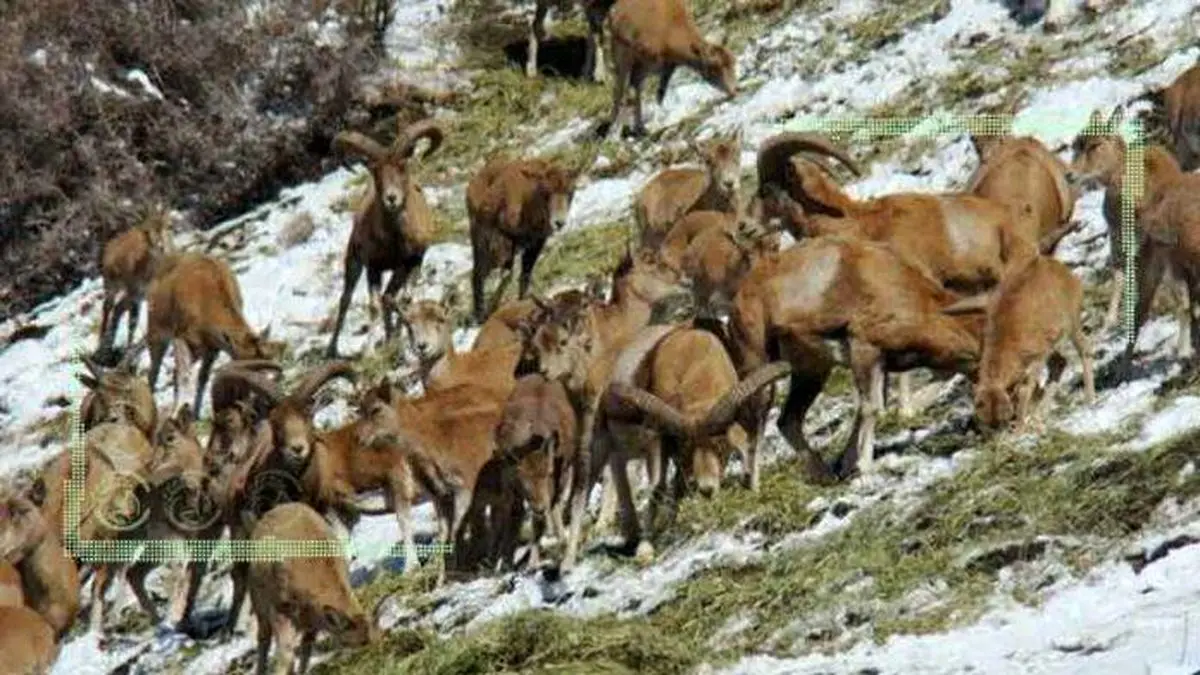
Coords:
pixel 317 377
pixel 663 413
pixel 254 380
pixel 355 142
pixel 777 150
pixel 94 368
pixel 409 136
pixel 131 355
pixel 254 365
pixel 723 411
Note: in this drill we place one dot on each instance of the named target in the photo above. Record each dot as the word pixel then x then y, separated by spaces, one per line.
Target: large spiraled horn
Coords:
pixel 775 152
pixel 409 136
pixel 722 413
pixel 252 379
pixel 319 376
pixel 355 142
pixel 664 414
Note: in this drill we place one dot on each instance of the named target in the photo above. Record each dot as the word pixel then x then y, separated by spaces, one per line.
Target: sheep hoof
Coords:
pixel 645 553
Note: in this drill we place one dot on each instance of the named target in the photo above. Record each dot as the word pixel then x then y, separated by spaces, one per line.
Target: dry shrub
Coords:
pixel 237 107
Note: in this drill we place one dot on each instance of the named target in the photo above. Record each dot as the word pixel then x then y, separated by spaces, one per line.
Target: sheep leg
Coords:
pixel 804 386
pixel 158 349
pixel 238 574
pixel 1083 347
pixel 101 580
pixel 306 645
pixel 399 276
pixel 195 572
pixel 135 312
pixel 264 645
pixel 206 364
pixel 866 363
pixel 136 577
pixel 1150 274
pixel 905 395
pixel 402 493
pixel 286 639
pixel 630 527
pixel 1114 299
pixel 622 65
pixel 593 59
pixel 608 501
pixel 183 368
pixel 664 79
pixel 1183 317
pixel 637 78
pixel 562 491
pixel 107 321
pixel 753 419
pixel 537 34
pixel 529 258
pixel 584 478
pixel 374 302
pixel 353 270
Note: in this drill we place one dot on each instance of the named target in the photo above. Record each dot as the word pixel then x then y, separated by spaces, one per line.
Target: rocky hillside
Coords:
pixel 1064 551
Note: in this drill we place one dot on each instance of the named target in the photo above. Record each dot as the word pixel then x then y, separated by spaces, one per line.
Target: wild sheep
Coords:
pixel 294 598
pixel 513 205
pixel 446 436
pixel 595 11
pixel 26 641
pixel 600 333
pixel 536 442
pixel 195 304
pixel 658 36
pixel 430 330
pixel 688 387
pixel 49 575
pixel 883 309
pixel 117 394
pixel 1099 160
pixel 1028 313
pixel 1171 241
pixel 675 192
pixel 964 241
pixel 1181 99
pixel 1021 172
pixel 394 229
pixel 127 265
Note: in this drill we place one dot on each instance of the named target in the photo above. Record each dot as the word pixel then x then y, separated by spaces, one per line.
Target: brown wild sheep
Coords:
pixel 658 36
pixel 595 11
pixel 294 598
pixel 536 440
pixel 1181 99
pixel 1099 160
pixel 1028 313
pixel 513 205
pixel 394 229
pixel 49 575
pixel 883 309
pixel 127 265
pixel 1021 172
pixel 195 304
pixel 675 192
pixel 446 436
pixel 117 394
pixel 692 393
pixel 26 641
pixel 601 333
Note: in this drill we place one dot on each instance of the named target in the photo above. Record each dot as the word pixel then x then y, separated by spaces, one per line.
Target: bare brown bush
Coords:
pixel 110 104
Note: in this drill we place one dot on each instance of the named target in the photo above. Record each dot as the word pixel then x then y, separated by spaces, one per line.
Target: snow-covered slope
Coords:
pixel 1108 622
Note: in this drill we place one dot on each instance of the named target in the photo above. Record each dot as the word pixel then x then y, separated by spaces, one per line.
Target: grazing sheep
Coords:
pixel 883 309
pixel 692 394
pixel 658 36
pixel 1099 160
pixel 1028 313
pixel 674 193
pixel 294 598
pixel 513 205
pixel 127 265
pixel 394 228
pixel 196 304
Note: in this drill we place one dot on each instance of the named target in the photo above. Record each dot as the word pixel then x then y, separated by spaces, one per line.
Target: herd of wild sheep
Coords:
pixel 559 393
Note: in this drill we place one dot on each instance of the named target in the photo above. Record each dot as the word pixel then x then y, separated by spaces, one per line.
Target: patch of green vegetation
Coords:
pixel 880 28
pixel 536 641
pixel 581 254
pixel 1135 56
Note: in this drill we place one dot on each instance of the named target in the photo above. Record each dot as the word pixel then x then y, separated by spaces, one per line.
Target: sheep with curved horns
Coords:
pixel 394 228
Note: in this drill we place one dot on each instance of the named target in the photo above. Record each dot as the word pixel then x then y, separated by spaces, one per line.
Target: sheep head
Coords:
pixel 389 166
pixel 562 348
pixel 722 159
pixel 717 66
pixel 558 189
pixel 1098 153
pixel 429 326
pixel 22 526
pixel 117 394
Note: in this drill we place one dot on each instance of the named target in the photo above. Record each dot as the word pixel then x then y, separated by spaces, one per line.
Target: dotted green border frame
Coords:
pixel 946 124
pixel 193 550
